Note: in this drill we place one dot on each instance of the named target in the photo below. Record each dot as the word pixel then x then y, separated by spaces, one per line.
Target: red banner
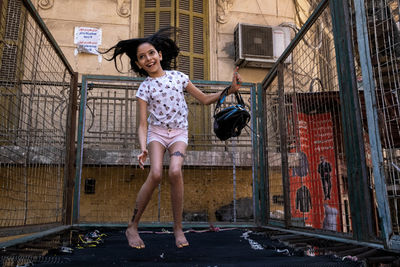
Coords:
pixel 313 182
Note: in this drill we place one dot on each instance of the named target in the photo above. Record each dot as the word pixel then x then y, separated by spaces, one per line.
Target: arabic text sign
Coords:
pixel 87 39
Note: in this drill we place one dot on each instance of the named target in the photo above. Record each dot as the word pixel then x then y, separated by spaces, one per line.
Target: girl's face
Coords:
pixel 149 59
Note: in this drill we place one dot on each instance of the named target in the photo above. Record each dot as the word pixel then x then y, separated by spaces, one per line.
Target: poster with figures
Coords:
pixel 313 181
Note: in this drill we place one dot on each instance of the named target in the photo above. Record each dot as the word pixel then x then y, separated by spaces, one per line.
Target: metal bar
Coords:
pixel 234 178
pixel 139 79
pixel 276 223
pixel 327 237
pixel 359 196
pixel 70 148
pixel 373 125
pixel 283 145
pixel 26 229
pixel 30 82
pixel 256 159
pixel 299 36
pixel 29 137
pixel 263 145
pixel 169 225
pixel 32 237
pixel 264 205
pixel 159 203
pixel 126 122
pixel 79 150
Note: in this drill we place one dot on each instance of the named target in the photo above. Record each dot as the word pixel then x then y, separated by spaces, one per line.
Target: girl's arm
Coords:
pixel 211 98
pixel 142 132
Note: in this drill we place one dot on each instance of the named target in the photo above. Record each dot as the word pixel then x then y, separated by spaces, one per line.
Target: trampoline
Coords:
pixel 208 247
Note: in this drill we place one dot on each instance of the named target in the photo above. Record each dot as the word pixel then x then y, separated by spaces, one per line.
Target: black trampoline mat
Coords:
pixel 227 247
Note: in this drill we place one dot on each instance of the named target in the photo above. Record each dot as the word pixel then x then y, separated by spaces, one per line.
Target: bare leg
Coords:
pixel 156 154
pixel 177 152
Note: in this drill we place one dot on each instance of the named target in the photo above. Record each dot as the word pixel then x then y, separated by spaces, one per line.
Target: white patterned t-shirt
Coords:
pixel 165 99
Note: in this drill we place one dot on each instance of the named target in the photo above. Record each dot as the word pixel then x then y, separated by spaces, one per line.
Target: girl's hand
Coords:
pixel 236 81
pixel 142 158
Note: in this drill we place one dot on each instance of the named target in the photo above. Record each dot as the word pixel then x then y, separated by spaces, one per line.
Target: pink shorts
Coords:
pixel 166 136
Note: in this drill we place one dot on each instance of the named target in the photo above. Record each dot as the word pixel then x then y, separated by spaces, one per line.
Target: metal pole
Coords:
pixel 159 203
pixel 264 182
pixel 234 178
pixel 79 150
pixel 283 144
pixel 372 118
pixel 359 195
pixel 256 157
pixel 70 150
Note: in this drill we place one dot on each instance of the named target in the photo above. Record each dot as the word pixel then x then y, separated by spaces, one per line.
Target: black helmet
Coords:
pixel 230 121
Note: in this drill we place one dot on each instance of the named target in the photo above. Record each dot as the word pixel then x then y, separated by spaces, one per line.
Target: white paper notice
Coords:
pixel 87 39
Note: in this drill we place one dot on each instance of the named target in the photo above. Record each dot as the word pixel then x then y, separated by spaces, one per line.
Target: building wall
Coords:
pixel 62 16
pixel 205 190
pixel 118 20
pixel 30 195
pixel 259 12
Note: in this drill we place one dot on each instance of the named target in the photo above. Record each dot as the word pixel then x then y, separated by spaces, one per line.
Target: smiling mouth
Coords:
pixel 150 65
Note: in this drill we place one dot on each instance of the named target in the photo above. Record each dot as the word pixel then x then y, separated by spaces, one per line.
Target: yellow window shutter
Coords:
pixel 192 21
pixel 156 14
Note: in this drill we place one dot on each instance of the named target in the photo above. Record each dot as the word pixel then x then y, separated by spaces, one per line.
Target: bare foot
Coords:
pixel 133 237
pixel 180 239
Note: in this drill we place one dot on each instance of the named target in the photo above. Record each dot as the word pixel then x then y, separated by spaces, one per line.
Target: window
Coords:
pixel 190 16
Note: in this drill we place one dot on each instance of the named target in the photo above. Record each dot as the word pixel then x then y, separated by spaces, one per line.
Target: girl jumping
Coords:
pixel 161 95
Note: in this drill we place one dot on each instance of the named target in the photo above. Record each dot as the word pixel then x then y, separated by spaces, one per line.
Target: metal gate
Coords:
pixel 332 125
pixel 37 96
pixel 217 175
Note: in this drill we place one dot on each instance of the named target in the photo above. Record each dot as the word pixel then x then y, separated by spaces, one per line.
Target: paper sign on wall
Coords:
pixel 87 39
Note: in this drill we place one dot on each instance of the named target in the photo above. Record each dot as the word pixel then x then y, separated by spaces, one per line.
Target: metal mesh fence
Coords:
pixel 384 39
pixel 35 89
pixel 217 175
pixel 308 157
pixel 306 162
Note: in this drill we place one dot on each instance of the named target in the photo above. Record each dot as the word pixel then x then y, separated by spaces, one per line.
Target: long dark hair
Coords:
pixel 161 41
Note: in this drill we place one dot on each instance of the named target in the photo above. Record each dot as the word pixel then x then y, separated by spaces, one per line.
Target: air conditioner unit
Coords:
pixel 260 46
